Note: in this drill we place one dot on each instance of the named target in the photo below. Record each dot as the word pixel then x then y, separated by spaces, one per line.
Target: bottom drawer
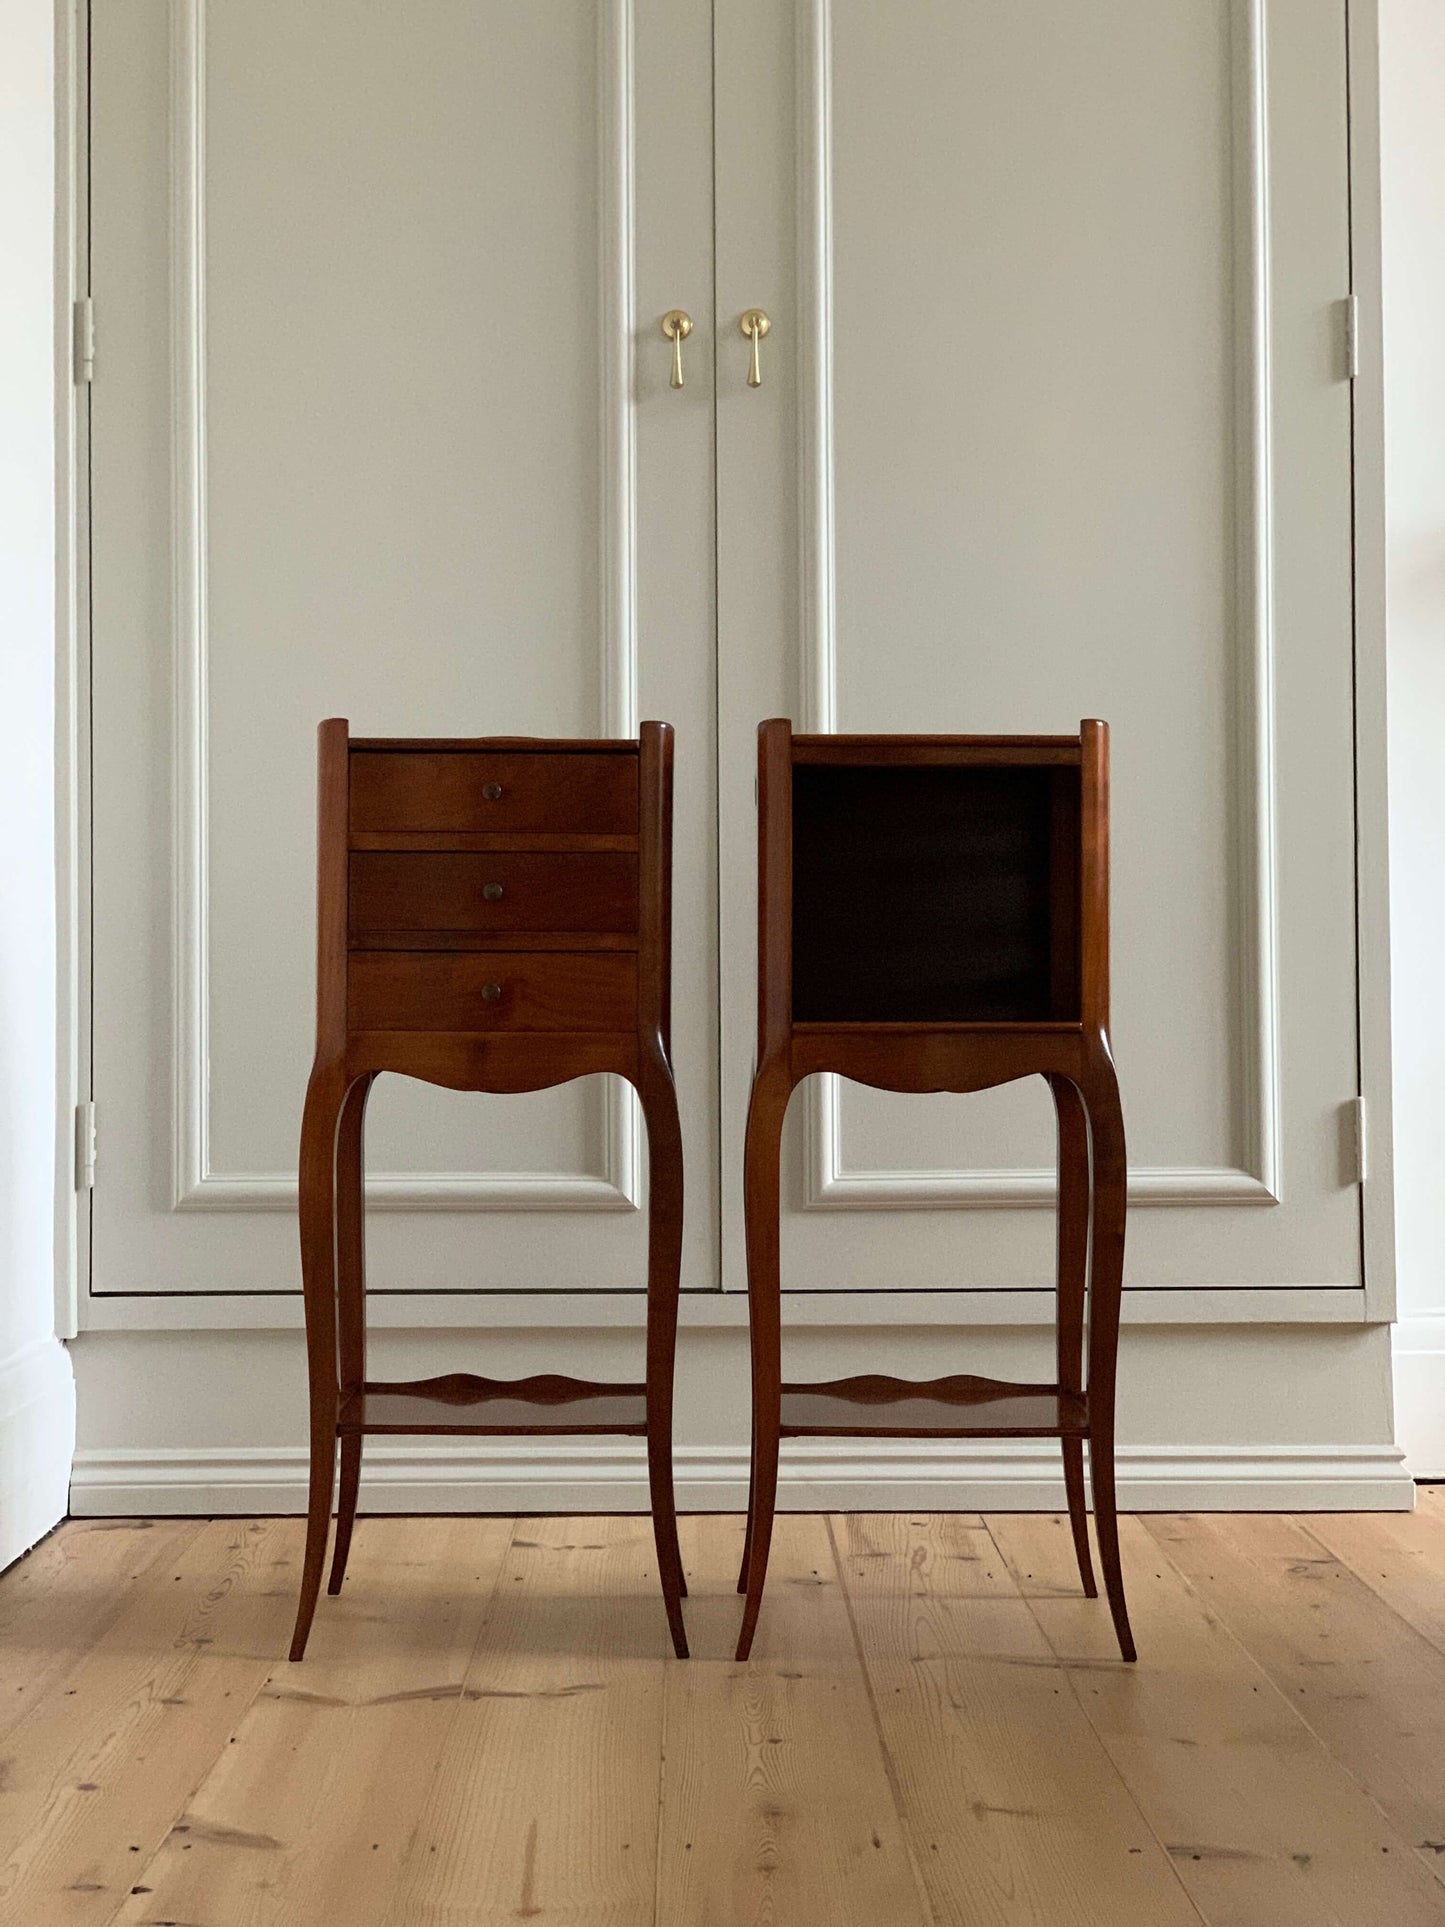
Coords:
pixel 491 990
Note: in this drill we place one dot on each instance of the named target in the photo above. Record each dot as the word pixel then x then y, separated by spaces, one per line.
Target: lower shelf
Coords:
pixel 462 1403
pixel 874 1407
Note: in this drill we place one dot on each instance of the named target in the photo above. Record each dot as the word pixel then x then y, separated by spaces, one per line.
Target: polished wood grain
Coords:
pixel 530 941
pixel 933 915
pixel 859 1409
pixel 495 968
pixel 488 894
pixel 491 788
pixel 502 1060
pixel 479 991
pixel 542 1405
pixel 550 842
pixel 933 1728
pixel 946 752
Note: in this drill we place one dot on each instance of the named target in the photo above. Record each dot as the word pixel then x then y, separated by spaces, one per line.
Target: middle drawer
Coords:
pixel 396 894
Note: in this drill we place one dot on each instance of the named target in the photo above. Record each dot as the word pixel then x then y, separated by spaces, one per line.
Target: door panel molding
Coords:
pixel 196 1186
pixel 828 1184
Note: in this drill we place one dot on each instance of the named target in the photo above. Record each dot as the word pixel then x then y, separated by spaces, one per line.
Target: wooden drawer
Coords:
pixel 396 895
pixel 491 990
pixel 587 793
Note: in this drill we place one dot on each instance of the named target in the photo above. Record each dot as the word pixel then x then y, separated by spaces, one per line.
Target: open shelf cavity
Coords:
pixel 935 894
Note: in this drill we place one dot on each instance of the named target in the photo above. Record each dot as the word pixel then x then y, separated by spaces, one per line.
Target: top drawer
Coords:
pixel 481 790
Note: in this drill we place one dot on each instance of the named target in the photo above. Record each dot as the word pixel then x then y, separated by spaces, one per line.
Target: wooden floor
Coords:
pixel 934 1728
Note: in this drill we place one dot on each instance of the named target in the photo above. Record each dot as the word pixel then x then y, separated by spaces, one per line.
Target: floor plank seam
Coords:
pixel 670 1663
pixel 1302 1520
pixel 116 1606
pixel 1071 1683
pixel 388 1912
pixel 890 1769
pixel 1219 1615
pixel 1433 1862
pixel 263 1673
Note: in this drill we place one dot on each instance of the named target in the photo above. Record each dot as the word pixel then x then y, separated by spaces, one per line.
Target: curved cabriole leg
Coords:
pixel 748 1529
pixel 1073 1278
pixel 324 1097
pixel 761 1199
pixel 1106 1126
pixel 664 1270
pixel 350 1305
pixel 348 1489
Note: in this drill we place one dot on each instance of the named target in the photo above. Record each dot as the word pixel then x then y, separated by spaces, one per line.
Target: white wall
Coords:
pixel 36 1396
pixel 1412 89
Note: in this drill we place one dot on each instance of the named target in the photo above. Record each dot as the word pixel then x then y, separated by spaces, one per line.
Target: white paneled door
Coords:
pixel 1059 426
pixel 1053 421
pixel 382 429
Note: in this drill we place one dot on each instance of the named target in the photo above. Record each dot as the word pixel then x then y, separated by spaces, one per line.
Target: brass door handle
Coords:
pixel 677 326
pixel 755 324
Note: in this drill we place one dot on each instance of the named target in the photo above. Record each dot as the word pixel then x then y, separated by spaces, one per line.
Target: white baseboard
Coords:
pixel 37 1436
pixel 1419 1343
pixel 818 1475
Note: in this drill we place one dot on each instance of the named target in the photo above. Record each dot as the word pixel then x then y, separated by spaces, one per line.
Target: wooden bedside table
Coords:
pixel 933 915
pixel 492 915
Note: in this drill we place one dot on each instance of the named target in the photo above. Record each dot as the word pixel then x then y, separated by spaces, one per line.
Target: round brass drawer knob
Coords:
pixel 491 791
pixel 491 992
pixel 491 891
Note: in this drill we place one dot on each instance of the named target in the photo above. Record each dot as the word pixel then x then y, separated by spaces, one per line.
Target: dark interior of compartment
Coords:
pixel 934 895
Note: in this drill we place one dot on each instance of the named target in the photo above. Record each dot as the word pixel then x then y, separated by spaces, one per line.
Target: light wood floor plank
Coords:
pixel 544 1803
pixel 307 1813
pixel 1264 1827
pixel 1399 1555
pixel 902 1555
pixel 1016 1814
pixel 100 1769
pixel 1369 1685
pixel 776 1802
pixel 59 1600
pixel 164 1764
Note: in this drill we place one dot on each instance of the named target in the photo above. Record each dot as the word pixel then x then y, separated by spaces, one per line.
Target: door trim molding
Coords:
pixel 817 1475
pixel 1144 1308
pixel 828 1184
pixel 831 1188
pixel 196 1185
pixel 72 666
pixel 1372 808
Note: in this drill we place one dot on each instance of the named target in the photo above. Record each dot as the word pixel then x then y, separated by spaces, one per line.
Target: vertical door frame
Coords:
pixel 1372 823
pixel 72 663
